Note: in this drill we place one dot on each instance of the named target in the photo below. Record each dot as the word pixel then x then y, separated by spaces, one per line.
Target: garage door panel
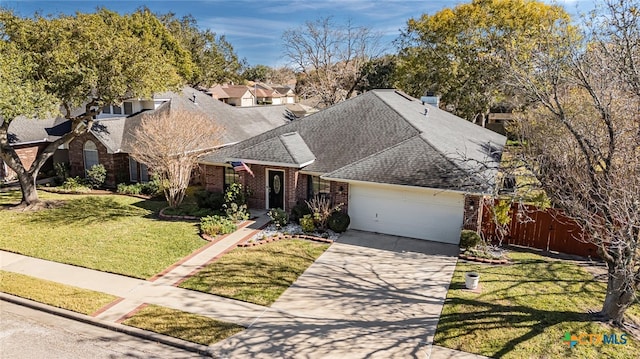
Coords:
pixel 409 213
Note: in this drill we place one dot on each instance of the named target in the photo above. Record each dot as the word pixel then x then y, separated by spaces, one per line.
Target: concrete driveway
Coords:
pixel 368 296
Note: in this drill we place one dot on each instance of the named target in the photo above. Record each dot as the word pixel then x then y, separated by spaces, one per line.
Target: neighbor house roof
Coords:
pixel 384 136
pixel 117 134
pixel 24 130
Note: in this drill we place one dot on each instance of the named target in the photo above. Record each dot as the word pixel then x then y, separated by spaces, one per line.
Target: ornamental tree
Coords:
pixel 170 144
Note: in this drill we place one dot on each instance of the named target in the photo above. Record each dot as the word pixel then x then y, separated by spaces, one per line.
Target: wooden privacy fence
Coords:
pixel 548 230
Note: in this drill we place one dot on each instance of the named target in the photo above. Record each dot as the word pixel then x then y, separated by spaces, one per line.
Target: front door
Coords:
pixel 275 187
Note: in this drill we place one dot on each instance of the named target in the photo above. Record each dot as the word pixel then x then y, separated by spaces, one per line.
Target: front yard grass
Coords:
pixel 524 310
pixel 110 233
pixel 58 295
pixel 182 325
pixel 257 274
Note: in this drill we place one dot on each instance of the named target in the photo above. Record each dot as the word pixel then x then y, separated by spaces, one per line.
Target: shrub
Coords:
pixel 61 170
pixel 124 188
pixel 469 238
pixel 209 200
pixel 96 175
pixel 279 217
pixel 298 211
pixel 152 187
pixel 321 208
pixel 216 225
pixel 235 203
pixel 307 223
pixel 75 184
pixel 339 222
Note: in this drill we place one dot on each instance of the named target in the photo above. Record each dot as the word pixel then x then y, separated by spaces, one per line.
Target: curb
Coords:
pixel 120 328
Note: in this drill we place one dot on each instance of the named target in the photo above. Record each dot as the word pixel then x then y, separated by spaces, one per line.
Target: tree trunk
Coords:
pixel 28 185
pixel 619 294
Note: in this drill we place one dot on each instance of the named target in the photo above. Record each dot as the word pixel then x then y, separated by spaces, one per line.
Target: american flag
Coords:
pixel 241 166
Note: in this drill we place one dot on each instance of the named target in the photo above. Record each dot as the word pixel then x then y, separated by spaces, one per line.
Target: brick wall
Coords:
pixel 295 185
pixel 472 212
pixel 340 194
pixel 27 154
pixel 117 165
pixel 213 178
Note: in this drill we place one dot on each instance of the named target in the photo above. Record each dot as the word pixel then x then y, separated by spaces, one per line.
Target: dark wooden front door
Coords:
pixel 276 189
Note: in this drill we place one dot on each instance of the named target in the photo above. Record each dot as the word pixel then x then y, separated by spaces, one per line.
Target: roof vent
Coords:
pixel 193 99
pixel 431 100
pixel 426 111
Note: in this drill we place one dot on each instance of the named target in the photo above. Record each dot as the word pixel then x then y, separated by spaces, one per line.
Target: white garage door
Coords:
pixel 407 212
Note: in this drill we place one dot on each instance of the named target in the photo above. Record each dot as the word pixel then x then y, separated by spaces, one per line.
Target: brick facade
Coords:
pixel 295 185
pixel 27 155
pixel 116 164
pixel 472 212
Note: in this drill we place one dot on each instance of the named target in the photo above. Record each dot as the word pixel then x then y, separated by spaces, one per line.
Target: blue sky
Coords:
pixel 254 28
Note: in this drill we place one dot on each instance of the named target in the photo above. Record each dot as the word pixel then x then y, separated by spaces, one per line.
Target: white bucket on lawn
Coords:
pixel 471 280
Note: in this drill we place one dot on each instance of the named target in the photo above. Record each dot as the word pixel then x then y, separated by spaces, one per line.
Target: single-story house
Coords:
pixel 110 139
pixel 398 165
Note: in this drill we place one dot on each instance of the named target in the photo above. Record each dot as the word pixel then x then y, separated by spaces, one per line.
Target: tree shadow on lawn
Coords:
pixel 495 316
pixel 91 209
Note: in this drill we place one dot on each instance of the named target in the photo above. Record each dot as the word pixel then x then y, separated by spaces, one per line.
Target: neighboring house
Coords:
pixel 399 166
pixel 112 136
pixel 234 95
pixel 29 137
pixel 287 93
pixel 256 94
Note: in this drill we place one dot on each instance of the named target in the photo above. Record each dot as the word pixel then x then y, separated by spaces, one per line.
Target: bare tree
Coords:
pixel 582 137
pixel 330 57
pixel 170 143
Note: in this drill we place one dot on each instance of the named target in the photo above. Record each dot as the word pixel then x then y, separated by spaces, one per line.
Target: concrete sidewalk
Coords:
pixel 159 291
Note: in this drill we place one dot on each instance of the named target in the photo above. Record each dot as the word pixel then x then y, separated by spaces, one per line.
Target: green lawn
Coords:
pixel 182 325
pixel 111 233
pixel 257 274
pixel 524 310
pixel 52 293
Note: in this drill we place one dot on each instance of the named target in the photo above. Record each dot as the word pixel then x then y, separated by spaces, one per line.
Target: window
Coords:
pixel 317 186
pixel 230 176
pixel 144 173
pixel 128 108
pixel 117 110
pixel 106 109
pixel 133 170
pixel 90 152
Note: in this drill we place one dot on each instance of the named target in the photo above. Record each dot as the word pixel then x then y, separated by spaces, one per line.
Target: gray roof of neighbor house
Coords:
pixel 117 134
pixel 384 136
pixel 28 130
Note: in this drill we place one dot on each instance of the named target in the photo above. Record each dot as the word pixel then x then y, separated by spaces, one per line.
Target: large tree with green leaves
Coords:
pixel 581 135
pixel 456 53
pixel 213 56
pixel 84 60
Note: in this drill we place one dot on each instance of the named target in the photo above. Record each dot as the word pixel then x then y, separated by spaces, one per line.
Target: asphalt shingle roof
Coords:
pixel 384 136
pixel 288 148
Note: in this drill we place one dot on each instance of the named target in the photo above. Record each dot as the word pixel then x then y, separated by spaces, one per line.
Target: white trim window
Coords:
pixel 90 154
pixel 133 170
